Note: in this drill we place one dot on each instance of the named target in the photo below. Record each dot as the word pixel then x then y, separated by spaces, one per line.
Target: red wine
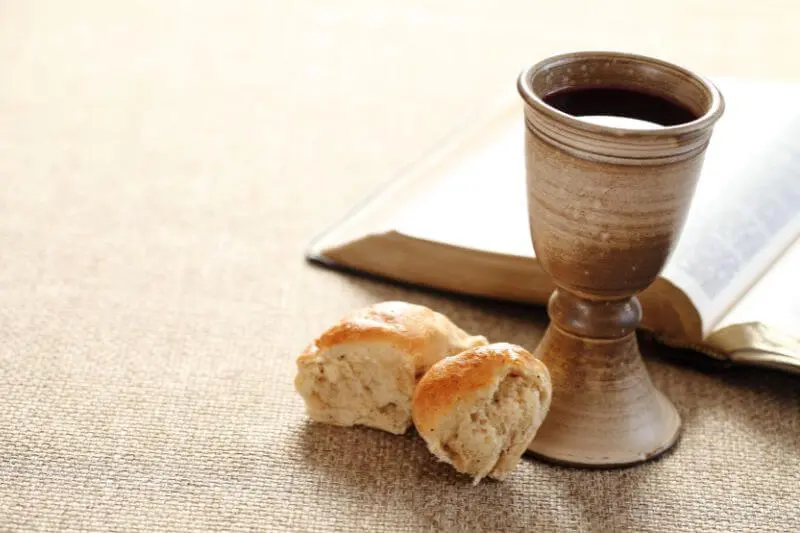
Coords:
pixel 605 101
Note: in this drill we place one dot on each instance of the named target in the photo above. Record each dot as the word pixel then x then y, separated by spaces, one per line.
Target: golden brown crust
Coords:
pixel 456 378
pixel 417 330
pixel 396 319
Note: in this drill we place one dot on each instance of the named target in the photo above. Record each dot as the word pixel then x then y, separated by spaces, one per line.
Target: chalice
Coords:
pixel 614 145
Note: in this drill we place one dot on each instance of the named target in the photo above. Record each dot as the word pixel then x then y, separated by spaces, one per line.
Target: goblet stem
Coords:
pixel 605 410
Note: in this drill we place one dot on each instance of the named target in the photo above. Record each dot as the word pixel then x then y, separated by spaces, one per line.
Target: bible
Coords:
pixel 457 221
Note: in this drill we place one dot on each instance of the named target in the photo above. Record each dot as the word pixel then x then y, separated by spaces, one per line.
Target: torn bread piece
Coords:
pixel 479 410
pixel 363 370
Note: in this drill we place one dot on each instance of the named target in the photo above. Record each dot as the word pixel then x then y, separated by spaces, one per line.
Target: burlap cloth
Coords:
pixel 163 165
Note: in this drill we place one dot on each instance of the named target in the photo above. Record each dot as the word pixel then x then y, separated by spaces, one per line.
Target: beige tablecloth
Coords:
pixel 163 165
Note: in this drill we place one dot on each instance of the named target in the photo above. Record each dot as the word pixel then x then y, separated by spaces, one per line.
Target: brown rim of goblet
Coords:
pixel 706 116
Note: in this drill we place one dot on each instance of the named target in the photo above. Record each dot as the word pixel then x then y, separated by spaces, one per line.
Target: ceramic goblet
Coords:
pixel 607 202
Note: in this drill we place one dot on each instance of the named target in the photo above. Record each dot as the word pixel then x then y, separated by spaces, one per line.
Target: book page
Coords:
pixel 775 299
pixel 477 200
pixel 442 196
pixel 746 210
pixel 763 328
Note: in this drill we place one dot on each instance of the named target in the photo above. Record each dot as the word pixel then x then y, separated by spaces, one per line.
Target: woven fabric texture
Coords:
pixel 163 166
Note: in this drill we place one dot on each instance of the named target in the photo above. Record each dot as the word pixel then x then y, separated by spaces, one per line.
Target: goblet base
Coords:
pixel 605 410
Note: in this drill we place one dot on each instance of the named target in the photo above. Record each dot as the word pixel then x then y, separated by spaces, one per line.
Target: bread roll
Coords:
pixel 479 410
pixel 363 370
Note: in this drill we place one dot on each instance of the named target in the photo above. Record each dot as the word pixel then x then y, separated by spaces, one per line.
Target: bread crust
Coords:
pixel 418 331
pixel 458 378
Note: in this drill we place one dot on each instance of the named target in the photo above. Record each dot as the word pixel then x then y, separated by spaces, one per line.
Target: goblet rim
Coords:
pixel 704 121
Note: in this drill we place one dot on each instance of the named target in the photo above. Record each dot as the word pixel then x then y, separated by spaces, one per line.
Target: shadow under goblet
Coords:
pixel 606 206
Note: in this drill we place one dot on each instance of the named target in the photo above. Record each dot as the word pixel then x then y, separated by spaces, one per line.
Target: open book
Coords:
pixel 457 221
